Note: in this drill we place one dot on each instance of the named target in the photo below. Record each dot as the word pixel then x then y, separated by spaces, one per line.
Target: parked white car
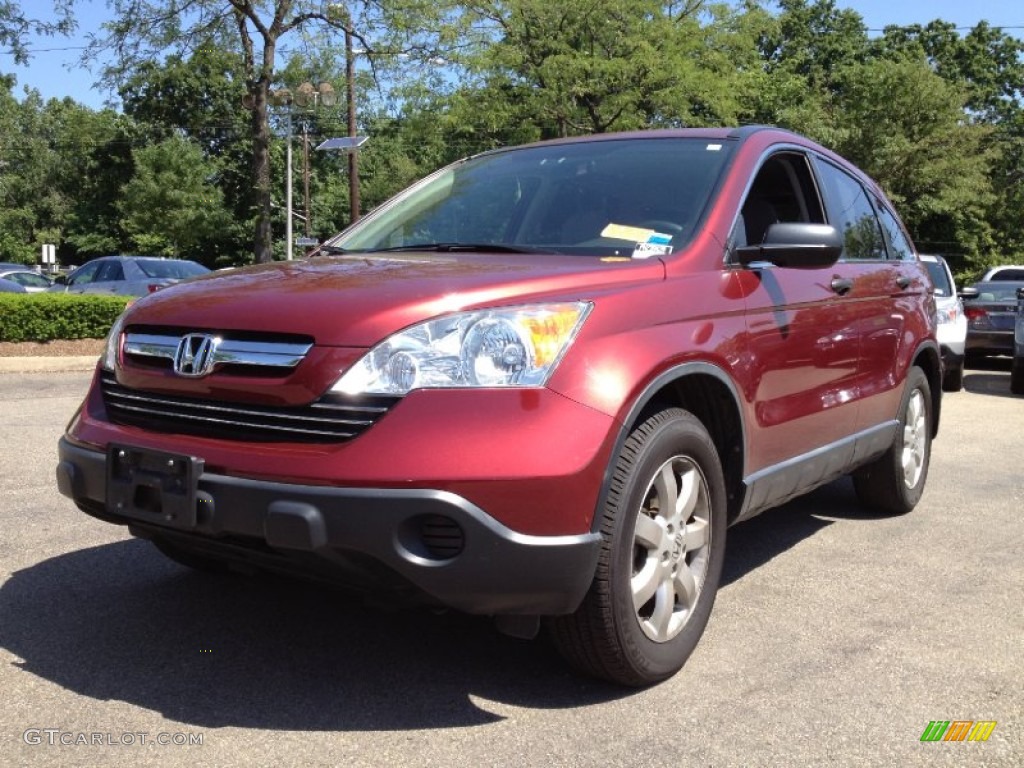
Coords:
pixel 952 322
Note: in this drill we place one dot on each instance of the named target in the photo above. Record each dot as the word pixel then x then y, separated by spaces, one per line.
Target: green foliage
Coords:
pixel 171 207
pixel 591 66
pixel 16 26
pixel 49 316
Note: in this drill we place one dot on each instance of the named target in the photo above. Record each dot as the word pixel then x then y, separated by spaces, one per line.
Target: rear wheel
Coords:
pixel 894 483
pixel 663 541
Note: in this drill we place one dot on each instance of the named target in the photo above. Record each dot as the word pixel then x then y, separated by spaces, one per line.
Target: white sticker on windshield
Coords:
pixel 714 147
pixel 647 250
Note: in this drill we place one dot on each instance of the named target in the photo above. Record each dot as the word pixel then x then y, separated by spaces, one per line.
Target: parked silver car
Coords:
pixel 29 279
pixel 128 275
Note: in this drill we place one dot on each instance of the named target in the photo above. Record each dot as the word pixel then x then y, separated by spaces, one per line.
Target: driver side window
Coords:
pixel 84 275
pixel 782 191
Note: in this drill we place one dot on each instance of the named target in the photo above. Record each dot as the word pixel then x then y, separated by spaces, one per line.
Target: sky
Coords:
pixel 54 69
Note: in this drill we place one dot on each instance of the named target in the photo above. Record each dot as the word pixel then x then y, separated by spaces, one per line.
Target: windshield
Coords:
pixel 624 197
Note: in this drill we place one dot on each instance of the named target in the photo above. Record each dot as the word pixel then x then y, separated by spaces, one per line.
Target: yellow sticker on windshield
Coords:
pixel 622 232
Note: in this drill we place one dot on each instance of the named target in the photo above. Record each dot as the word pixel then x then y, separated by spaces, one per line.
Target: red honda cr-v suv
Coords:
pixel 539 384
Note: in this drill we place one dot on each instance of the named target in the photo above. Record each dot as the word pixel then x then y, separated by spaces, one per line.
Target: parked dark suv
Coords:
pixel 540 384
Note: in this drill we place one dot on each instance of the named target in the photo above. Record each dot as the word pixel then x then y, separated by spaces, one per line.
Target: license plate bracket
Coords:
pixel 153 486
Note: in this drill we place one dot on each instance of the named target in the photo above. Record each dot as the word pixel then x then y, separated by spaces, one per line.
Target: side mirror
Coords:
pixel 1020 293
pixel 967 294
pixel 796 245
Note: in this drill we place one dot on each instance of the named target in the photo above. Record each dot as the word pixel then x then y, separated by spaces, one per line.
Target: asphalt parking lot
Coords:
pixel 836 638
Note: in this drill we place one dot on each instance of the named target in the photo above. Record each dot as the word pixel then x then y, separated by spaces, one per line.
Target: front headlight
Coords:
pixel 508 347
pixel 112 349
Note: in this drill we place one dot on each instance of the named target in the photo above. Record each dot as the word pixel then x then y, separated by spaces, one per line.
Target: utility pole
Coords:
pixel 353 157
pixel 305 175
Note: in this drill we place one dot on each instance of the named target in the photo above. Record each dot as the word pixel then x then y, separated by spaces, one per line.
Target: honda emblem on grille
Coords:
pixel 195 355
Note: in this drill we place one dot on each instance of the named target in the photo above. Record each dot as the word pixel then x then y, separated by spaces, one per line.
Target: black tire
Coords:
pixel 1017 376
pixel 680 553
pixel 189 558
pixel 953 381
pixel 894 482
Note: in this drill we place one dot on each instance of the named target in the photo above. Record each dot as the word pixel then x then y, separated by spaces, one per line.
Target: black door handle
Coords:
pixel 842 285
pixel 903 281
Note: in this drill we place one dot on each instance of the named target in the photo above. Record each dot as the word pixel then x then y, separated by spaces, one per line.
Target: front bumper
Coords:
pixel 368 538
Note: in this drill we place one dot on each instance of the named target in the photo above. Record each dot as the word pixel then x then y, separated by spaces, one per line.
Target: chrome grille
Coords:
pixel 333 418
pixel 159 348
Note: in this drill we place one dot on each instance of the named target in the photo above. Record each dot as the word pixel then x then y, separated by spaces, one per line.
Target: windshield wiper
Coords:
pixel 332 249
pixel 452 247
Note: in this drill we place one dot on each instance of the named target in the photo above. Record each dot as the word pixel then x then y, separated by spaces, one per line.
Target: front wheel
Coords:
pixel 663 542
pixel 894 483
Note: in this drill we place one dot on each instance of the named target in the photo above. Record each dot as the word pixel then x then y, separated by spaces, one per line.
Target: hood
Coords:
pixel 358 300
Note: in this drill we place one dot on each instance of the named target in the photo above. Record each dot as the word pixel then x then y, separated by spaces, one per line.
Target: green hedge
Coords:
pixel 51 316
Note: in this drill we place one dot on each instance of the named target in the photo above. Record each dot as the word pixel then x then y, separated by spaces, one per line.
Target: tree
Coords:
pixel 590 66
pixel 986 62
pixel 55 160
pixel 150 29
pixel 198 97
pixel 15 26
pixel 988 66
pixel 171 207
pixel 915 143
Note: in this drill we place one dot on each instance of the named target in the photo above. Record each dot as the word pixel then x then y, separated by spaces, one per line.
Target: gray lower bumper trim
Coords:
pixel 495 571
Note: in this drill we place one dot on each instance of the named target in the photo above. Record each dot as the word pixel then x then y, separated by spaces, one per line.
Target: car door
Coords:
pixel 82 278
pixel 803 343
pixel 886 287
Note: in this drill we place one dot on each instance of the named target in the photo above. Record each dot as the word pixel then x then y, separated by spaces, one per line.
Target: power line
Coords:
pixel 999 28
pixel 48 50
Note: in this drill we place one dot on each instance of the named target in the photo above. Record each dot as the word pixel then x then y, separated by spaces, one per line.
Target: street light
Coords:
pixel 322 95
